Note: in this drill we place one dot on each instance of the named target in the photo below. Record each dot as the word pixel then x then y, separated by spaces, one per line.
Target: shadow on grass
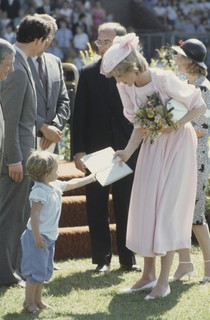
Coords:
pixel 121 307
pixel 88 280
pixel 146 310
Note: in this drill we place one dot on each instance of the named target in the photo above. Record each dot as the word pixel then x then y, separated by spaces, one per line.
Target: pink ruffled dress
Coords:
pixel 164 189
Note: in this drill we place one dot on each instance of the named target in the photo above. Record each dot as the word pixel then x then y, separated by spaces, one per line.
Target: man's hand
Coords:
pixel 78 162
pixel 16 172
pixel 51 133
pixel 45 143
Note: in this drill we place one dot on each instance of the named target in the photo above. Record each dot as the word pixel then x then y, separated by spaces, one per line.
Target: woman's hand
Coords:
pixel 167 129
pixel 78 162
pixel 124 156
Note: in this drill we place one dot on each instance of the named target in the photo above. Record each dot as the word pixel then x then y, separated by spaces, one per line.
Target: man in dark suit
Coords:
pixel 98 122
pixel 7 56
pixel 53 105
pixel 18 100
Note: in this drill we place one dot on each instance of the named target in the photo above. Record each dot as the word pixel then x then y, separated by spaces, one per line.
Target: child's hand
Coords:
pixel 40 242
pixel 93 177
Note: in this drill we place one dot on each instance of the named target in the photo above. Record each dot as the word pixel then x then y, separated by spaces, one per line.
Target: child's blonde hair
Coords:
pixel 40 164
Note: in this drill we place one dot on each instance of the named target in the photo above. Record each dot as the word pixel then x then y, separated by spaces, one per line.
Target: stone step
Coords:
pixel 74 243
pixel 74 211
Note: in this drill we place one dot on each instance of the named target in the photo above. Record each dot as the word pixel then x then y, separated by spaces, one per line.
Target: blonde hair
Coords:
pixel 133 62
pixel 40 164
pixel 194 68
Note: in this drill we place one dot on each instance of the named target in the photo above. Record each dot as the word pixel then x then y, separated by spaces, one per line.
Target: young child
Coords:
pixel 38 240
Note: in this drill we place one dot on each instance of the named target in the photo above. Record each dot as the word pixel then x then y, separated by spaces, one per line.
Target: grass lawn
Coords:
pixel 76 293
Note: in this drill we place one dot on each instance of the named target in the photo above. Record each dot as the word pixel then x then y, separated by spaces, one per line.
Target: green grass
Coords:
pixel 76 293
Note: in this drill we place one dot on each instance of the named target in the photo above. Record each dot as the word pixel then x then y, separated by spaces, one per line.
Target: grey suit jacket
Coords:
pixel 1 137
pixel 53 108
pixel 18 100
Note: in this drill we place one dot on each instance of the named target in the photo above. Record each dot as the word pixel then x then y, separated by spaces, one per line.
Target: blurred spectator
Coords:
pixel 98 17
pixel 9 33
pixel 38 6
pixel 188 26
pixel 161 13
pixel 171 11
pixel 80 39
pixel 82 23
pixel 11 7
pixel 77 61
pixel 53 49
pixel 64 37
pixel 180 23
pixel 4 21
pixel 47 7
pixel 16 20
pixel 66 11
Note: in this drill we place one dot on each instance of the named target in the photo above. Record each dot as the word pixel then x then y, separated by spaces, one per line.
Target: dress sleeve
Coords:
pixel 59 185
pixel 128 107
pixel 38 195
pixel 181 91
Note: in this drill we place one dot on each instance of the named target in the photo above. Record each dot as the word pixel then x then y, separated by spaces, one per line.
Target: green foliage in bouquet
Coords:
pixel 165 59
pixel 153 117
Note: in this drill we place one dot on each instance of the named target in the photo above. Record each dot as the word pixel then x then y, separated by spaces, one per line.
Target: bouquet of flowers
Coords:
pixel 154 116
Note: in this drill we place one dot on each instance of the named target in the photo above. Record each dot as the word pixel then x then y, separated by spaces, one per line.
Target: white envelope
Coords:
pixel 107 168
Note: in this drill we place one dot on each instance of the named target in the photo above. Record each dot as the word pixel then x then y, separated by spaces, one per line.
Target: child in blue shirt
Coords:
pixel 38 240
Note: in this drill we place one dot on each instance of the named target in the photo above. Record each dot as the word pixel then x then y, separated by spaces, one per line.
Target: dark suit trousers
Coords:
pixel 98 219
pixel 14 212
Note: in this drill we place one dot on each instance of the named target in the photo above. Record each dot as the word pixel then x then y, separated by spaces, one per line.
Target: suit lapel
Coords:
pixel 27 68
pixel 49 74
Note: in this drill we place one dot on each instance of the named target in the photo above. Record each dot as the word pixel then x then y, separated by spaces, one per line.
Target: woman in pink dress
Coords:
pixel 164 189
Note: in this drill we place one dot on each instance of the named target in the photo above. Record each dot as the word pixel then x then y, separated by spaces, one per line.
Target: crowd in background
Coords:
pixel 78 20
pixel 189 16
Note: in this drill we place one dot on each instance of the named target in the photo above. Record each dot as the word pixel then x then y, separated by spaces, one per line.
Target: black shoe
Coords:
pixel 134 267
pixel 102 268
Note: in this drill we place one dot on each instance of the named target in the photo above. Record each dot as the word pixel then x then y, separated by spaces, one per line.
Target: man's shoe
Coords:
pixel 134 267
pixel 102 268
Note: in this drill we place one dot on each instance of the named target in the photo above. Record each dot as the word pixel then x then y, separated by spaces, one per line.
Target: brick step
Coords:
pixel 74 243
pixel 67 171
pixel 74 211
pixel 74 240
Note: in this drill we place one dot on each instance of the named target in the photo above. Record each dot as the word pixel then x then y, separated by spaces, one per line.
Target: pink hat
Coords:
pixel 120 49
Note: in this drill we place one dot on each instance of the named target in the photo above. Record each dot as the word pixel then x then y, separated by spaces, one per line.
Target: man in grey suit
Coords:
pixel 18 97
pixel 53 105
pixel 7 56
